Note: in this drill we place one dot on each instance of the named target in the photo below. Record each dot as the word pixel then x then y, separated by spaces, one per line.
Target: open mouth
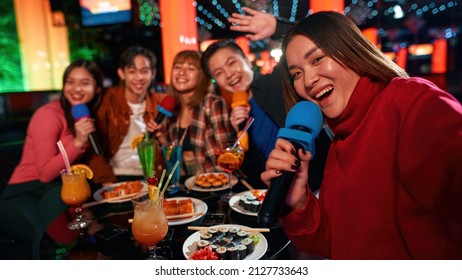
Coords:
pixel 323 94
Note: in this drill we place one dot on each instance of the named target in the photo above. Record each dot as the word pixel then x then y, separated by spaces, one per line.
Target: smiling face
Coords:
pixel 185 76
pixel 79 86
pixel 231 71
pixel 137 78
pixel 318 77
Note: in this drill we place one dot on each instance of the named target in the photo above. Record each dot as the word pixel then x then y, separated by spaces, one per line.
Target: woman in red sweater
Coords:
pixel 392 184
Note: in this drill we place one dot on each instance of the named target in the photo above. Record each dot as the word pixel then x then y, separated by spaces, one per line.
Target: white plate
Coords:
pixel 190 244
pixel 98 195
pixel 190 182
pixel 234 203
pixel 199 206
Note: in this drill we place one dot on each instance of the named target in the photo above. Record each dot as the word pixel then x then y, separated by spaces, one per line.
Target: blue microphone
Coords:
pixel 303 124
pixel 79 111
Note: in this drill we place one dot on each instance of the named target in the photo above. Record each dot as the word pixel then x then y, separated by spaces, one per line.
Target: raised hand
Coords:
pixel 259 25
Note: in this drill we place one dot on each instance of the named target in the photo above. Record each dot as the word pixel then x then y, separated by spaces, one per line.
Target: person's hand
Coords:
pixel 259 25
pixel 238 115
pixel 83 127
pixel 283 158
pixel 157 131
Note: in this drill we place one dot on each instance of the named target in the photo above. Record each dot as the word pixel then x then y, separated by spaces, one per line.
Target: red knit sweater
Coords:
pixel 392 185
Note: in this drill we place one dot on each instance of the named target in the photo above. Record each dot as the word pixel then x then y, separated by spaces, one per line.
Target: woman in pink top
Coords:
pixel 31 202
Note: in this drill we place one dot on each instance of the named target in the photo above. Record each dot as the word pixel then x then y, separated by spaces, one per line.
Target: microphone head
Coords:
pixel 240 98
pixel 79 111
pixel 303 124
pixel 168 103
pixel 305 114
pixel 166 108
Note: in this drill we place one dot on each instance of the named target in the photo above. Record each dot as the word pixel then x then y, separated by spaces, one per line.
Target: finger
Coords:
pixel 252 37
pixel 304 155
pixel 285 145
pixel 268 175
pixel 249 11
pixel 238 17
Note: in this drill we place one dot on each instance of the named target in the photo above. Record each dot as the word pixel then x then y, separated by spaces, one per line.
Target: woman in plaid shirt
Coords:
pixel 200 116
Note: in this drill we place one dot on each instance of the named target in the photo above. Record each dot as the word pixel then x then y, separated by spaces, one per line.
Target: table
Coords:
pixel 109 236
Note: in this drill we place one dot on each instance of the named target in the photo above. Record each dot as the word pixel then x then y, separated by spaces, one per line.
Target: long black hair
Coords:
pixel 97 75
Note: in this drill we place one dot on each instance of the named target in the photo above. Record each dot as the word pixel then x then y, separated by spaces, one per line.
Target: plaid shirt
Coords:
pixel 209 126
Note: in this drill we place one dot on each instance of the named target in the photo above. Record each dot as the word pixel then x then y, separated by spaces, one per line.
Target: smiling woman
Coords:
pixel 385 172
pixel 31 204
pixel 200 120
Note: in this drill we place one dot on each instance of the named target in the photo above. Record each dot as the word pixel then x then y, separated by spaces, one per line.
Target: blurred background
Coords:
pixel 413 33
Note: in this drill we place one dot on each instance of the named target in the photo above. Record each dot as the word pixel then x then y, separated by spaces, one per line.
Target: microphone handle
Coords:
pixel 159 118
pixel 276 194
pixel 95 144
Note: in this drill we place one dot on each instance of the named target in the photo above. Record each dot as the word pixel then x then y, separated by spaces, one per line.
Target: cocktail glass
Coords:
pixel 150 224
pixel 173 153
pixel 146 152
pixel 74 192
pixel 229 157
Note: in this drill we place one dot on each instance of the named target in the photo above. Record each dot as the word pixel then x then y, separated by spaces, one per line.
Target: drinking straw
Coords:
pixel 170 176
pixel 247 126
pixel 64 155
pixel 161 179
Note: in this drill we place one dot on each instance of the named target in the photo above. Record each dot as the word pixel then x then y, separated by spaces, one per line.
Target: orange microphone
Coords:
pixel 241 98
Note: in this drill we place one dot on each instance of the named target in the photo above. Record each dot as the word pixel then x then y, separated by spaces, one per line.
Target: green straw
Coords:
pixel 161 179
pixel 170 176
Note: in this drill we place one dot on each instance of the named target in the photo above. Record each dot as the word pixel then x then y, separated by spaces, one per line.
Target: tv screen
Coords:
pixel 104 12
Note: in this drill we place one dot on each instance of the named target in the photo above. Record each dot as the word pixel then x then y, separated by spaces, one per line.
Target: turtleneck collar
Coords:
pixel 360 101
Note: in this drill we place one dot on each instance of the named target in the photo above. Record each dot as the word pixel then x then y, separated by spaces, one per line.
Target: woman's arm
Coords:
pixel 48 159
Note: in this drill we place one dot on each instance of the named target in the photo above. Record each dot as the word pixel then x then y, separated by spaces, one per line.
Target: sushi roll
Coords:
pixel 227 240
pixel 233 253
pixel 223 229
pixel 202 244
pixel 240 235
pixel 247 205
pixel 242 250
pixel 248 242
pixel 254 206
pixel 213 230
pixel 205 236
pixel 234 230
pixel 222 253
pixel 242 201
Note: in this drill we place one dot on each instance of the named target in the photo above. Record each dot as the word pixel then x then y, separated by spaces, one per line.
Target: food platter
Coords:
pixel 190 244
pixel 234 203
pixel 199 206
pixel 98 195
pixel 190 183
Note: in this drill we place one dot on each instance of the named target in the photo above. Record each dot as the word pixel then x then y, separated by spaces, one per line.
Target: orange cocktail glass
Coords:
pixel 230 156
pixel 74 192
pixel 150 224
